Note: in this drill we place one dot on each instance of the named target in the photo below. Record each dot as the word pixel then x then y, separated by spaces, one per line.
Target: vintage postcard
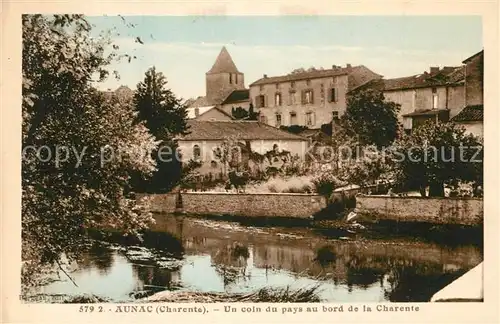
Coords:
pixel 180 163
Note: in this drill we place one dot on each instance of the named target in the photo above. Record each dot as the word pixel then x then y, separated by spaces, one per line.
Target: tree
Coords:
pixel 371 119
pixel 239 113
pixel 436 154
pixel 96 139
pixel 365 170
pixel 252 115
pixel 165 117
pixel 164 114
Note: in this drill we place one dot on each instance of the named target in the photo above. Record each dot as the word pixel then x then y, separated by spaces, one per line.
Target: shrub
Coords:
pixel 326 183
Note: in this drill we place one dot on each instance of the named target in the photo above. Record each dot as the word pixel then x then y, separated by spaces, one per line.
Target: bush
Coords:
pixel 326 183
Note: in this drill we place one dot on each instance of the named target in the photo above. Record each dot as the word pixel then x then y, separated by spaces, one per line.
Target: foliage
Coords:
pixel 436 154
pixel 325 183
pixel 327 129
pixel 252 114
pixel 370 166
pixel 60 201
pixel 165 117
pixel 164 114
pixel 239 113
pixel 295 129
pixel 370 119
pixel 242 113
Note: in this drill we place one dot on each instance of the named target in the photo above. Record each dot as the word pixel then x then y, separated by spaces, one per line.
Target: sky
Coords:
pixel 184 48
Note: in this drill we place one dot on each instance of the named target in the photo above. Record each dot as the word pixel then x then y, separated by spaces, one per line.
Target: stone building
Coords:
pixel 471 117
pixel 225 86
pixel 209 113
pixel 206 137
pixel 309 98
pixel 438 94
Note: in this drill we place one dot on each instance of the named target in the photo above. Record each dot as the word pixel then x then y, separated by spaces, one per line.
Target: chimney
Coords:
pixel 265 76
pixel 433 69
pixel 196 112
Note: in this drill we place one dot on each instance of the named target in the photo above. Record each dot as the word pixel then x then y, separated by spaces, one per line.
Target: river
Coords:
pixel 183 253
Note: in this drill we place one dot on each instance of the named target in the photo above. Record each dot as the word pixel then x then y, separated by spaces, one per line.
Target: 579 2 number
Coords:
pixel 90 309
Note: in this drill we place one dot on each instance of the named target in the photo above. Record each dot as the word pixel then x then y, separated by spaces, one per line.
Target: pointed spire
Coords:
pixel 224 63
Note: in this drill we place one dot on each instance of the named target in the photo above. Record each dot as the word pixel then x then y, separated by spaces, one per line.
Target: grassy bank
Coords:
pixel 263 295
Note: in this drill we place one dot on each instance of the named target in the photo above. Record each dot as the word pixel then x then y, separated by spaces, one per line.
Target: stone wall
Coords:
pixel 160 203
pixel 464 211
pixel 250 205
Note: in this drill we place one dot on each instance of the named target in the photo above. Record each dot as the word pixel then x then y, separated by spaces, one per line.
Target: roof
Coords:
pixel 301 76
pixel 426 112
pixel 447 76
pixel 224 63
pixel 191 112
pixel 467 60
pixel 237 96
pixel 241 130
pixel 358 75
pixel 201 101
pixel 469 113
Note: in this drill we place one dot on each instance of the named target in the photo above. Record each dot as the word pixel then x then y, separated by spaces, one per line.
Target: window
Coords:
pixel 277 99
pixel 293 118
pixel 230 78
pixel 236 78
pixel 308 82
pixel 261 88
pixel 292 84
pixel 335 115
pixel 277 86
pixel 434 98
pixel 260 101
pixel 292 97
pixel 307 97
pixel 278 120
pixel 309 119
pixel 333 95
pixel 196 153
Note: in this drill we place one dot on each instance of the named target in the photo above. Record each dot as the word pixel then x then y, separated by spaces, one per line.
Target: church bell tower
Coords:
pixel 223 78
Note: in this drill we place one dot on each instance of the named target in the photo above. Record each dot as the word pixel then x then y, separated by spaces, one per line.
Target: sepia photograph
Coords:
pixel 255 159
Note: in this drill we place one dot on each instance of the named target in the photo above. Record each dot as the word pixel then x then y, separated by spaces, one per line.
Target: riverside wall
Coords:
pixel 460 211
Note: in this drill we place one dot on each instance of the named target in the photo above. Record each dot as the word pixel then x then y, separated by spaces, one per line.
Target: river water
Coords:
pixel 184 253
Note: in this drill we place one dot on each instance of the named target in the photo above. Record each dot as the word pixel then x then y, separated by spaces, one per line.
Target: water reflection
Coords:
pixel 185 253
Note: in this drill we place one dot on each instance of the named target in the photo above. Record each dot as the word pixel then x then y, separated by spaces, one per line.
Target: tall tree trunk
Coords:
pixel 436 189
pixel 423 191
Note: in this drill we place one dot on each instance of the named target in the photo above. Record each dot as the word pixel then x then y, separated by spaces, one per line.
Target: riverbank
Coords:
pixel 439 211
pixel 263 295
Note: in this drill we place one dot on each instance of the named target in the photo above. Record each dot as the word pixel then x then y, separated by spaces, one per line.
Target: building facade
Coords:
pixel 471 116
pixel 440 94
pixel 205 138
pixel 310 98
pixel 437 94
